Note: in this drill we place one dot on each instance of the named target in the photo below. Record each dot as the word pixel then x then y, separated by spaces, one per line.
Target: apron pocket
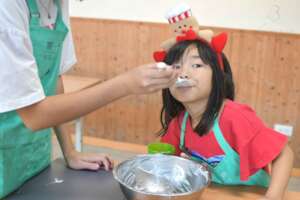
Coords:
pixel 46 59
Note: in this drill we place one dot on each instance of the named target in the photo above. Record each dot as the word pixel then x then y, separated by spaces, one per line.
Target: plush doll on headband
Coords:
pixel 185 27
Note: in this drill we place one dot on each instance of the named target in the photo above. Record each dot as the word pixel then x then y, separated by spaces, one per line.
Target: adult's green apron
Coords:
pixel 227 172
pixel 23 153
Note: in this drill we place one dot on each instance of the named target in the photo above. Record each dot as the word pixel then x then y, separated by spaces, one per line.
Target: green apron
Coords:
pixel 227 172
pixel 23 153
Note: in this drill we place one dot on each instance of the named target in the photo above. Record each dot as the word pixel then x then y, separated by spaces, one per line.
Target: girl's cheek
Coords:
pixel 174 93
pixel 172 88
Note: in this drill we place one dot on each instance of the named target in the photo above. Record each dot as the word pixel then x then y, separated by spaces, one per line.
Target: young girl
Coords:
pixel 202 120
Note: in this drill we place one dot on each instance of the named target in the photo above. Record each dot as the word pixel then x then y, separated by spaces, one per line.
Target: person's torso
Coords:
pixel 225 166
pixel 207 145
pixel 24 153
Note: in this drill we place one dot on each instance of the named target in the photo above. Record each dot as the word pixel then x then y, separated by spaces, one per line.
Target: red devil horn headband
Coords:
pixel 217 43
pixel 185 27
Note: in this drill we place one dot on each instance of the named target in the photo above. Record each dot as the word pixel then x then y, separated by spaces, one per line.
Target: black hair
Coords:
pixel 222 86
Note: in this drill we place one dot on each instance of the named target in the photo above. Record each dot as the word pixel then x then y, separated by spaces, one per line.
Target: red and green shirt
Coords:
pixel 256 144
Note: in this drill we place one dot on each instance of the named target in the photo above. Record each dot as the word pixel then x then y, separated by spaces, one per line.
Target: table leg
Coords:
pixel 78 134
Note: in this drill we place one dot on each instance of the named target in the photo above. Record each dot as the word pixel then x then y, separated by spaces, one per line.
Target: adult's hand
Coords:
pixel 149 78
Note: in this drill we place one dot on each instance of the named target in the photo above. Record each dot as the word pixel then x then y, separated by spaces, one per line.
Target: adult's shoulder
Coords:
pixel 14 15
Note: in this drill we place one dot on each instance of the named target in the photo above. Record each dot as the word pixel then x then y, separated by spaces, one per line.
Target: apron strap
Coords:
pixel 216 130
pixel 59 11
pixel 221 140
pixel 182 131
pixel 58 4
pixel 34 12
pixel 59 22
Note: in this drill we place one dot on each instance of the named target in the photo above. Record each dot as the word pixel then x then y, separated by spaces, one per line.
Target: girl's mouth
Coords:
pixel 184 89
pixel 184 83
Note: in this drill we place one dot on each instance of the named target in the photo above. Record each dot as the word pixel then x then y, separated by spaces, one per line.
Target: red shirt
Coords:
pixel 256 144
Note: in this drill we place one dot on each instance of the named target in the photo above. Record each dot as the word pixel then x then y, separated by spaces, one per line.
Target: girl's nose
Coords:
pixel 183 76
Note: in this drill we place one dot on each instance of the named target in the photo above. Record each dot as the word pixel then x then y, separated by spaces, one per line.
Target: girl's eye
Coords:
pixel 197 65
pixel 176 66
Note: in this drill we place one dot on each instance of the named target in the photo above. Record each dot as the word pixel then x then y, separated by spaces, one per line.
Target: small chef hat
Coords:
pixel 178 13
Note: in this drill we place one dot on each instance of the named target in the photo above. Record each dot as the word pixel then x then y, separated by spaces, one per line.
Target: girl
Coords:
pixel 202 120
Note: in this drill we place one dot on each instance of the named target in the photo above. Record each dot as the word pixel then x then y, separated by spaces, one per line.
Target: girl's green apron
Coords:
pixel 228 170
pixel 23 153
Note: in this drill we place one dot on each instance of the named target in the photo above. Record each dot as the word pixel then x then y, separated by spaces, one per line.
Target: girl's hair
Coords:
pixel 222 86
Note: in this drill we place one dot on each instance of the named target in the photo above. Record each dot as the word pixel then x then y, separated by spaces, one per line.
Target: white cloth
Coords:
pixel 19 82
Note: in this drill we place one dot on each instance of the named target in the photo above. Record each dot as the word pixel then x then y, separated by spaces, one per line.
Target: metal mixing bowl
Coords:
pixel 158 176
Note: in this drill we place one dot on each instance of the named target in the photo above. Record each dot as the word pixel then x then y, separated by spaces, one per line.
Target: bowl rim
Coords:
pixel 162 195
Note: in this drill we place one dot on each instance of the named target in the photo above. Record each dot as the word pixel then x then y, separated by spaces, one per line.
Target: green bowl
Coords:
pixel 159 147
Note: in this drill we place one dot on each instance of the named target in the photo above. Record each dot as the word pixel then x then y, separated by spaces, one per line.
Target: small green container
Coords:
pixel 159 147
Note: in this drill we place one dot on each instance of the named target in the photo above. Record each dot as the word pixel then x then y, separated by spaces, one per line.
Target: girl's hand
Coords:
pixel 149 78
pixel 91 161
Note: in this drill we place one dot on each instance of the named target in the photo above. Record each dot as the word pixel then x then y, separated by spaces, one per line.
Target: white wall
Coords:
pixel 267 15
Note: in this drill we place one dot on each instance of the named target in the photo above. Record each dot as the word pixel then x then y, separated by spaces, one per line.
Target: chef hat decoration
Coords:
pixel 185 27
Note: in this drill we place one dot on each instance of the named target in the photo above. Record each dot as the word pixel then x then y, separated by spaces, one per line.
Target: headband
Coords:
pixel 185 27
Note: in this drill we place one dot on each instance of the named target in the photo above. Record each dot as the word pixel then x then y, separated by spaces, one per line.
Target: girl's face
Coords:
pixel 191 67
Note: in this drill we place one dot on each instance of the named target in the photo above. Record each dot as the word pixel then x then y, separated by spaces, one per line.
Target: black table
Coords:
pixel 71 185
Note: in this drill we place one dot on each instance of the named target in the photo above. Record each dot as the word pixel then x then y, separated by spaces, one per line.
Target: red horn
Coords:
pixel 218 42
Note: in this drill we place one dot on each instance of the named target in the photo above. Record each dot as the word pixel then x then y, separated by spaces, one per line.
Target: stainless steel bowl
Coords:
pixel 158 176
